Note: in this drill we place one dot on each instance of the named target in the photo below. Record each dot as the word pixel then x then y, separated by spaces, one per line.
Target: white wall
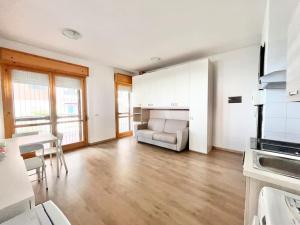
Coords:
pixel 235 74
pixel 101 103
pixel 100 92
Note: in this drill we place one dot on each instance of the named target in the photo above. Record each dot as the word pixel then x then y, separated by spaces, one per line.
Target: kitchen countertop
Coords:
pixel 265 176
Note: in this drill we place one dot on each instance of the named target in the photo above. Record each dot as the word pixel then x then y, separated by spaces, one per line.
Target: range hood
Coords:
pixel 274 80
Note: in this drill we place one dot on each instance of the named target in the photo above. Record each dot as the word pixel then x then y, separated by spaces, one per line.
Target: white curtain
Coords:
pixel 27 77
pixel 124 88
pixel 67 82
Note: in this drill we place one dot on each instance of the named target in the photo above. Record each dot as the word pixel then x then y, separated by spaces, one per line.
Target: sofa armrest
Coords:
pixel 141 126
pixel 182 138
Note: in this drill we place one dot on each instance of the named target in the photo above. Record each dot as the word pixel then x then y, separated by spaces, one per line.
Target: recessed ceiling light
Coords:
pixel 72 34
pixel 155 59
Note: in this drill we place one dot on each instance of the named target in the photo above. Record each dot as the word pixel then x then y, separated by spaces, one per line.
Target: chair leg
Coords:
pixel 38 174
pixel 50 159
pixel 60 156
pixel 43 173
pixel 64 161
pixel 44 169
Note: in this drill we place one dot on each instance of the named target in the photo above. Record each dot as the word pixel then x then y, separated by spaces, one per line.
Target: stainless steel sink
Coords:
pixel 277 163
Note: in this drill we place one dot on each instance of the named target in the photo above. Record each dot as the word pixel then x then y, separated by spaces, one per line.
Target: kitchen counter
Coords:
pixel 256 179
pixel 277 179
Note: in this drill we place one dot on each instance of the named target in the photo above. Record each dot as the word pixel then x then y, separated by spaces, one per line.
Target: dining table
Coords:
pixel 16 193
pixel 41 138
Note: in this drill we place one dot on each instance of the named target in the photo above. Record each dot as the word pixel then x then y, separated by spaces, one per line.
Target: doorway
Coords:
pixel 124 115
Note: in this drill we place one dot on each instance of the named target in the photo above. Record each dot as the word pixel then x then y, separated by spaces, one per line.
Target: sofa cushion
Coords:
pixel 165 137
pixel 172 126
pixel 156 124
pixel 145 133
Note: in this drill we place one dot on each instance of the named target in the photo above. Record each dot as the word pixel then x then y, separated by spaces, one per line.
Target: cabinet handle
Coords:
pixel 292 93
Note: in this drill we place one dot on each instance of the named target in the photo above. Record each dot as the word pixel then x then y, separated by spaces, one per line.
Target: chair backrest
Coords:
pixel 31 148
pixel 60 138
pixel 25 134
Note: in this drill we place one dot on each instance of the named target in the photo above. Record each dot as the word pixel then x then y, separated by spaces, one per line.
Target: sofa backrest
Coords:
pixel 156 124
pixel 172 126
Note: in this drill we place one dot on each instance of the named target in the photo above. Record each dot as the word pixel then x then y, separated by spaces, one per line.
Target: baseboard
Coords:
pixel 101 142
pixel 227 150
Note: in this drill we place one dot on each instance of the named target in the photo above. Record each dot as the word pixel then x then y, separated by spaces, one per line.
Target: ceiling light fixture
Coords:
pixel 72 34
pixel 155 59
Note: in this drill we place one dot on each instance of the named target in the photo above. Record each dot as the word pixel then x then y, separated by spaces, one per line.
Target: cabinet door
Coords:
pixel 293 70
pixel 137 90
pixel 198 106
pixel 182 86
pixel 147 95
pixel 169 87
pixel 278 17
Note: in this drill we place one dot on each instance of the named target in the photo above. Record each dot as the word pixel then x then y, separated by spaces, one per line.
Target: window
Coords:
pixel 69 109
pixel 45 95
pixel 31 101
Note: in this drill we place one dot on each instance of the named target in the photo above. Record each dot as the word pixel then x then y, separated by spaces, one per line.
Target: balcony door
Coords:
pixel 47 102
pixel 69 117
pixel 124 114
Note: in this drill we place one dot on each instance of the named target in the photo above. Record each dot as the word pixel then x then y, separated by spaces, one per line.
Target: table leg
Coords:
pixel 57 159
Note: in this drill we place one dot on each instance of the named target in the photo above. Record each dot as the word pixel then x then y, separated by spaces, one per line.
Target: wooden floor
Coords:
pixel 127 183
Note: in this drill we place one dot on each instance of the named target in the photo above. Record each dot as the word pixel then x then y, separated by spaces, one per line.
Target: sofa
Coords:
pixel 167 133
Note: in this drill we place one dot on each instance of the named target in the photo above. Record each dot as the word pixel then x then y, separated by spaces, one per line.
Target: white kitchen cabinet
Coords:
pixel 293 69
pixel 200 133
pixel 277 17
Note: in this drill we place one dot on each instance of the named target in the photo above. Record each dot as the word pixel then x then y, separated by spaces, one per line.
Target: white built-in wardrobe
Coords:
pixel 186 86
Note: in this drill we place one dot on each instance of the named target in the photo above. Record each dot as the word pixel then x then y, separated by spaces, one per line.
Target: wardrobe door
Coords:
pixel 136 92
pixel 198 106
pixel 182 86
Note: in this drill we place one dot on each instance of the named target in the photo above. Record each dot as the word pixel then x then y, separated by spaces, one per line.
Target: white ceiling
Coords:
pixel 127 33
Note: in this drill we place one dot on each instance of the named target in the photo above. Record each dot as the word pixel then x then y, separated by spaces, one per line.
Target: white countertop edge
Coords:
pixel 250 171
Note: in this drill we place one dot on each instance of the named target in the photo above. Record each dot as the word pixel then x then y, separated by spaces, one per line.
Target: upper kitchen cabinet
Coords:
pixel 293 58
pixel 277 17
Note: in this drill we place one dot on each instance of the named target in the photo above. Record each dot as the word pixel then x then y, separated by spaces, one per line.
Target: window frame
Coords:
pixel 8 105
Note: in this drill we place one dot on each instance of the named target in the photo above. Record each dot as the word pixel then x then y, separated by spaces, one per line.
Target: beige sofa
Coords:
pixel 167 133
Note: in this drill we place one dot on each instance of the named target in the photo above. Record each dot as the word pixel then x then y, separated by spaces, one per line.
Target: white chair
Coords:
pixel 52 150
pixel 25 134
pixel 37 162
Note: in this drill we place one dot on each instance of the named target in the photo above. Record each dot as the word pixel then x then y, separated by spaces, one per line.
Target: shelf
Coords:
pixel 166 108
